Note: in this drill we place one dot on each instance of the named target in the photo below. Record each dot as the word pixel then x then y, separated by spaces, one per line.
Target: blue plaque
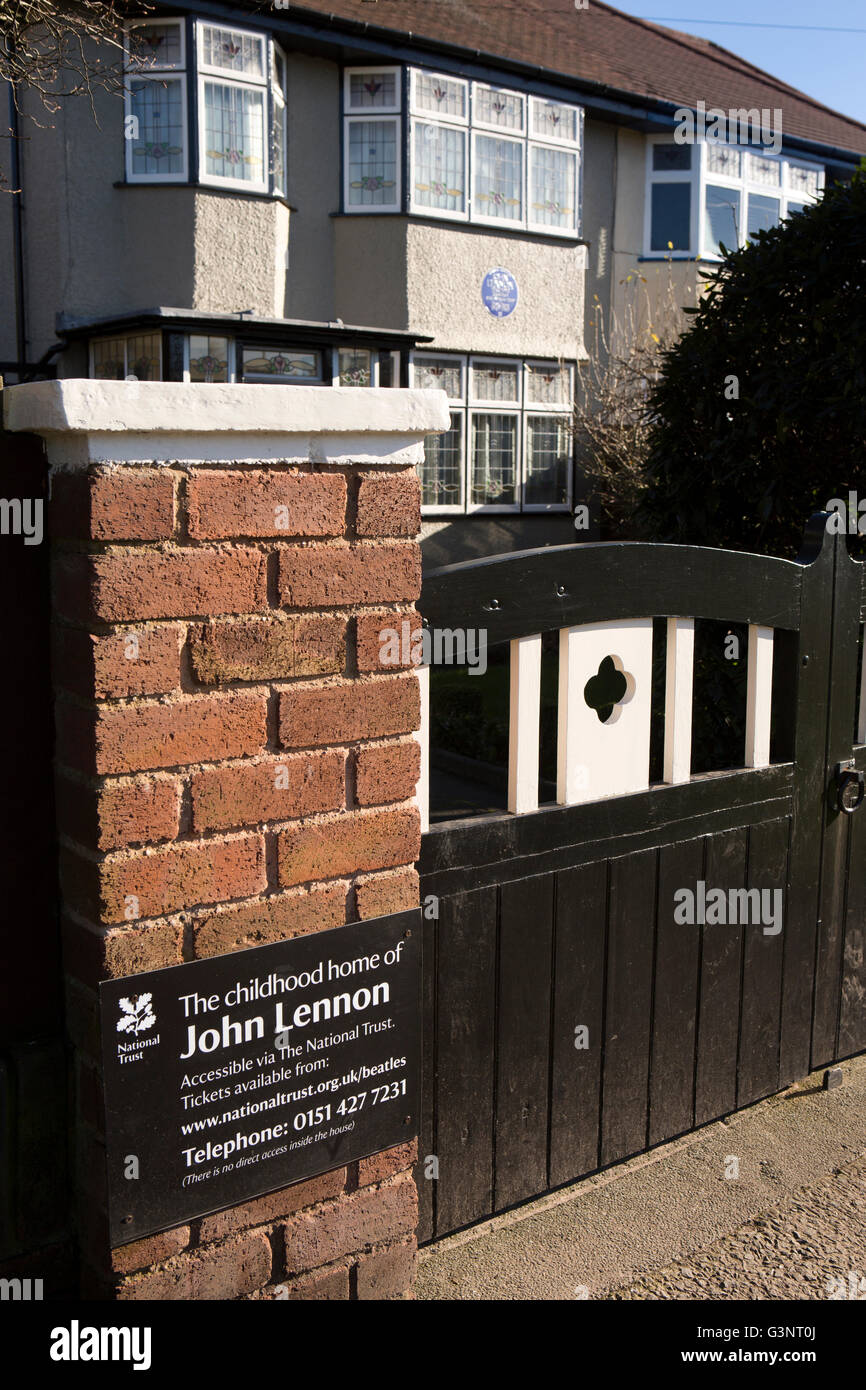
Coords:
pixel 499 292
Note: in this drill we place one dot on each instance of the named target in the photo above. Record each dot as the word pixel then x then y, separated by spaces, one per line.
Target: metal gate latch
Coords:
pixel 850 787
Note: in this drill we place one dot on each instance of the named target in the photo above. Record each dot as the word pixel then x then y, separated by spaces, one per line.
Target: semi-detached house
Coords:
pixel 394 192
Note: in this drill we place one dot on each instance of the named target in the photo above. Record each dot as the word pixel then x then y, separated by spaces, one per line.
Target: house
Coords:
pixel 398 192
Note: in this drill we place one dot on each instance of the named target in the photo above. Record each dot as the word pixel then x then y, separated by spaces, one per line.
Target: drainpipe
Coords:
pixel 17 229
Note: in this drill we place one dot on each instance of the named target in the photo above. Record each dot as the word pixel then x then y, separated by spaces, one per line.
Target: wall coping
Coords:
pixel 85 421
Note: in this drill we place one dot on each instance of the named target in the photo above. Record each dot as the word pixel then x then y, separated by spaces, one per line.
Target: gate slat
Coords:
pixel 581 914
pixel 628 1006
pixel 719 1007
pixel 466 1032
pixel 523 1039
pixel 675 994
pixel 679 677
pixel 758 1067
pixel 759 693
pixel 524 731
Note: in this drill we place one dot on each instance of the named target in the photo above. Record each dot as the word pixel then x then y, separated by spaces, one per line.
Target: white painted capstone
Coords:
pixel 86 421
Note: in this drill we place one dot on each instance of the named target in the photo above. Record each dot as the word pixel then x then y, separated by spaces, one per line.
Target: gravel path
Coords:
pixel 810 1247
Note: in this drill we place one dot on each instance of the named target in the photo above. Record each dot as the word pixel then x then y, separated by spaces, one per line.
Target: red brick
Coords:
pixel 164 880
pixel 258 502
pixel 349 710
pixel 296 913
pixel 346 844
pixel 388 1273
pixel 387 1164
pixel 387 772
pixel 124 587
pixel 115 666
pixel 330 1284
pixel 377 895
pixel 386 640
pixel 269 648
pixel 201 728
pixel 389 504
pixel 279 789
pixel 119 814
pixel 152 1250
pixel 324 576
pixel 263 1211
pixel 92 953
pixel 114 504
pixel 369 1216
pixel 229 1270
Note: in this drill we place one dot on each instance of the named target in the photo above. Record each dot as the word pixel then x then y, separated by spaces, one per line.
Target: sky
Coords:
pixel 828 66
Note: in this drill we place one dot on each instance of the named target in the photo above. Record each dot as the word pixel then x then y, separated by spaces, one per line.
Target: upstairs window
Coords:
pixel 371 154
pixel 239 93
pixel 156 126
pixel 708 195
pixel 475 152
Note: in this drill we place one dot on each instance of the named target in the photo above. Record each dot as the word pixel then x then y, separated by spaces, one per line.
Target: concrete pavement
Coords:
pixel 678 1224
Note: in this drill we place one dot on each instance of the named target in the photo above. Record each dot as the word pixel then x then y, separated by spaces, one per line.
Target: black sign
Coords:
pixel 230 1077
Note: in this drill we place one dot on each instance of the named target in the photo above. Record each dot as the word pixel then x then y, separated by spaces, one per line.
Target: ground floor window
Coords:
pixel 138 356
pixel 212 358
pixel 509 447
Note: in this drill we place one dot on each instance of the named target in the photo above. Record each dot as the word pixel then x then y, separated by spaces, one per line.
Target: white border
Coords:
pixel 350 110
pixel 242 78
pixel 365 211
pixel 220 180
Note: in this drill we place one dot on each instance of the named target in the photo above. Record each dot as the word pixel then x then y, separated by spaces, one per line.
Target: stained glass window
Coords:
pixel 368 90
pixel 439 374
pixel 234 143
pixel 552 120
pixel 372 164
pixel 232 50
pixel 721 159
pixel 494 460
pixel 493 106
pixel 109 359
pixel 278 125
pixel 355 367
pixel 446 97
pixel 498 178
pixel 494 381
pixel 548 384
pixel 441 472
pixel 548 460
pixel 552 187
pixel 439 167
pixel 208 358
pixel 281 364
pixel 155 46
pixel 762 170
pixel 803 180
pixel 143 357
pixel 158 143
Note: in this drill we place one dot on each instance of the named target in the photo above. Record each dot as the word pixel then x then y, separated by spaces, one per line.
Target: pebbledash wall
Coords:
pixel 217 550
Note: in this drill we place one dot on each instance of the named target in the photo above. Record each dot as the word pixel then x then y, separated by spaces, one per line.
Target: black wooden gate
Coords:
pixel 563 918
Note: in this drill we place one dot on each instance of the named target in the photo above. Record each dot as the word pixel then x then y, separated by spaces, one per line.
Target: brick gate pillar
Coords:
pixel 227 772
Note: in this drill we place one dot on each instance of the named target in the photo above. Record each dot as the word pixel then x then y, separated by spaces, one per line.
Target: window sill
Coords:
pixel 209 188
pixel 481 228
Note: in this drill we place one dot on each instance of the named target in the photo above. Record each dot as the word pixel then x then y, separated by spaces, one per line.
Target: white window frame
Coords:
pixel 560 148
pixel 242 33
pixel 422 209
pixel 479 124
pixel 467 405
pixel 549 412
pixel 219 180
pixel 280 105
pixel 699 176
pixel 484 219
pixel 156 72
pixel 378 115
pixel 564 142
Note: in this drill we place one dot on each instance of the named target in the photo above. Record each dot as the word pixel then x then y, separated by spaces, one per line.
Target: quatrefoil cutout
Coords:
pixel 607 689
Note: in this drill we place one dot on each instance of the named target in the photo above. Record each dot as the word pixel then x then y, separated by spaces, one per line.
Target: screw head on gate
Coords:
pixel 561 591
pixel 491 606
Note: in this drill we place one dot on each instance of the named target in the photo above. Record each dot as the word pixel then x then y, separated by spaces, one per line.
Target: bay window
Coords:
pixel 475 152
pixel 509 445
pixel 708 195
pixel 240 105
